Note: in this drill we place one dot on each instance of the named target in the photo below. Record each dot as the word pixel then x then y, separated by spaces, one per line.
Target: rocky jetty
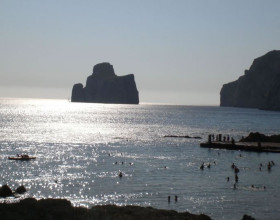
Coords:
pixel 104 86
pixel 62 209
pixel 259 87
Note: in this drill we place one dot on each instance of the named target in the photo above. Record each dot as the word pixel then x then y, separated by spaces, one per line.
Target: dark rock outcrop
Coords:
pixel 5 191
pixel 248 217
pixel 258 137
pixel 62 209
pixel 181 136
pixel 104 86
pixel 259 87
pixel 21 189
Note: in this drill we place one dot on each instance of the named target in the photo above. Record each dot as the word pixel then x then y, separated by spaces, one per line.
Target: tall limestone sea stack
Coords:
pixel 258 88
pixel 104 86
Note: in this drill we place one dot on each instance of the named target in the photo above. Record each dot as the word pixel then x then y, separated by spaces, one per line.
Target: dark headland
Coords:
pixel 104 86
pixel 258 88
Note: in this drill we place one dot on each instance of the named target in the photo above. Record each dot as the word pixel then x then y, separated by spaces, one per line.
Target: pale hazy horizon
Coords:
pixel 181 52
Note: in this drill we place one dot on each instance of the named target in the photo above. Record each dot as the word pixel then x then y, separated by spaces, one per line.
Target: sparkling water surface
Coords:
pixel 82 147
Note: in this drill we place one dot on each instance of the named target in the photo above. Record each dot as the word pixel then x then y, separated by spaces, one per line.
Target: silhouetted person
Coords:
pixel 209 165
pixel 269 166
pixel 228 179
pixel 120 175
pixel 236 178
pixel 209 138
pixel 202 166
pixel 233 166
pixel 176 198
pixel 220 137
pixel 168 199
pixel 236 170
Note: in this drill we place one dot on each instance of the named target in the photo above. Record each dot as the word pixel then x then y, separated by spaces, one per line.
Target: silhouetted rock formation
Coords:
pixel 258 88
pixel 248 217
pixel 104 86
pixel 5 191
pixel 62 209
pixel 181 136
pixel 258 137
pixel 21 189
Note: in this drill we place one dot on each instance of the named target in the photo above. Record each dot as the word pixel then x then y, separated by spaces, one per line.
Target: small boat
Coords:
pixel 22 157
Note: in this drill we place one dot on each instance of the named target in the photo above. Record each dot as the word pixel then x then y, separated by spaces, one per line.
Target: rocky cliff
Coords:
pixel 104 86
pixel 259 87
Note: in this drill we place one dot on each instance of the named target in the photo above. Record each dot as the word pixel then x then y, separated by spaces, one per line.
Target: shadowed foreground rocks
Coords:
pixel 62 209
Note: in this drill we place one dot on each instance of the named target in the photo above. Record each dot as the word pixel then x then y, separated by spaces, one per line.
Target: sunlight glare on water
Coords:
pixel 81 148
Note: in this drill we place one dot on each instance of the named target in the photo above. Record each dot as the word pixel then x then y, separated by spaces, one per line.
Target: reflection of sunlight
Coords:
pixel 63 121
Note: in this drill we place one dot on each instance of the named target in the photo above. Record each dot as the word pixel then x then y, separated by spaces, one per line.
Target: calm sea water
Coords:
pixel 81 148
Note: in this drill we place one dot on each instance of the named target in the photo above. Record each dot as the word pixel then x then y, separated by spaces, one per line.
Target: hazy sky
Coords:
pixel 181 51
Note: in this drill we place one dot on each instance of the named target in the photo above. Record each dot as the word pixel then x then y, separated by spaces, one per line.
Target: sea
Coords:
pixel 81 148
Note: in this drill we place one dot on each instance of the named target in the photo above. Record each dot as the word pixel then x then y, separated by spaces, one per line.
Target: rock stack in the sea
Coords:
pixel 6 191
pixel 259 87
pixel 104 86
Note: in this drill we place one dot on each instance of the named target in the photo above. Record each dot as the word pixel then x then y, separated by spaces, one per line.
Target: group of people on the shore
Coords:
pixel 220 138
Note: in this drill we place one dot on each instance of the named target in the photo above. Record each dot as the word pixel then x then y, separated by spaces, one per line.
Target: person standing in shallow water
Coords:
pixel 120 175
